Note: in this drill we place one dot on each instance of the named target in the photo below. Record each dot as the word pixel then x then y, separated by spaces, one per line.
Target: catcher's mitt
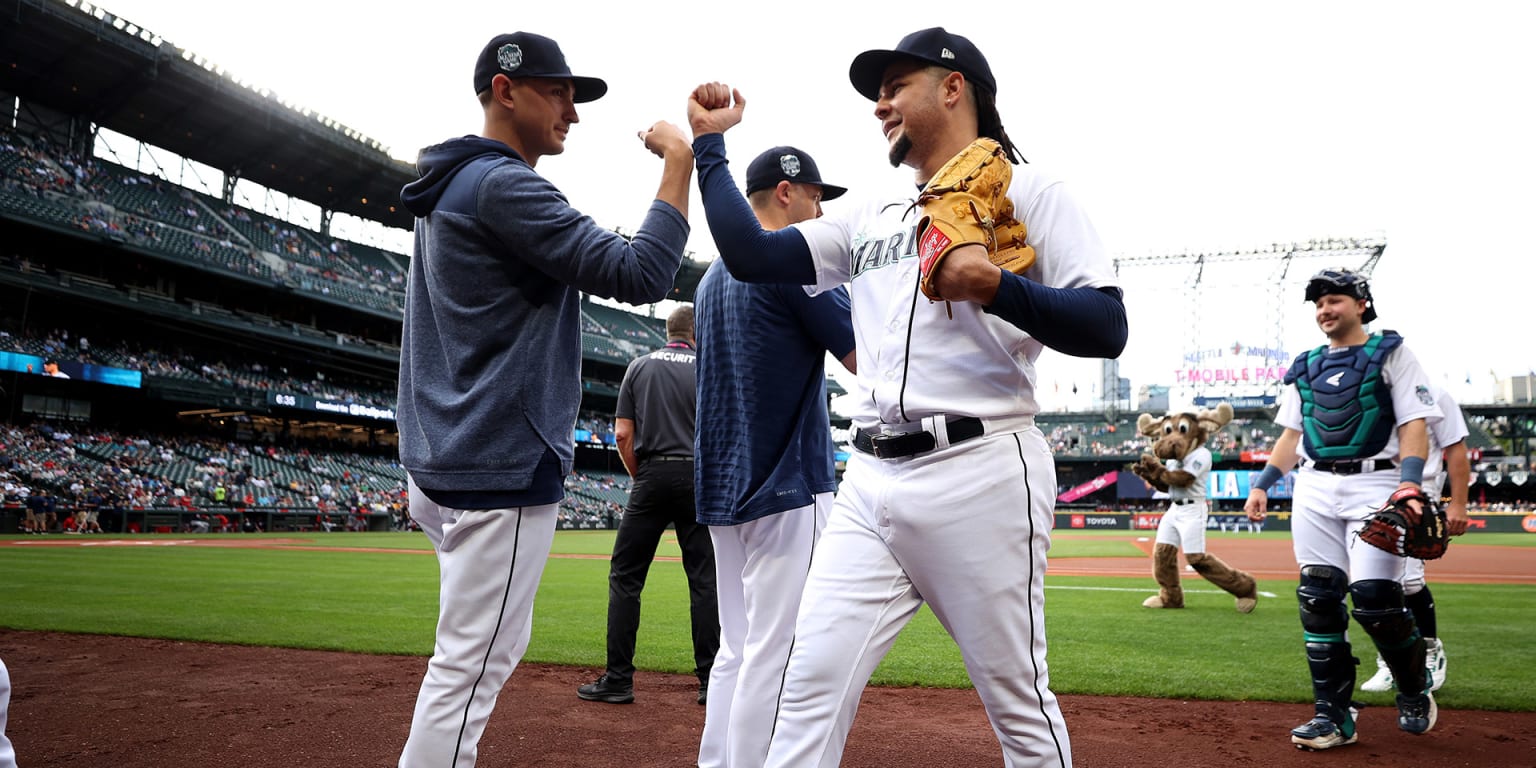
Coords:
pixel 1389 530
pixel 966 203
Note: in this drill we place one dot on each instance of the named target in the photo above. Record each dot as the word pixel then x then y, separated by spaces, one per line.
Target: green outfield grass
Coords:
pixel 1102 641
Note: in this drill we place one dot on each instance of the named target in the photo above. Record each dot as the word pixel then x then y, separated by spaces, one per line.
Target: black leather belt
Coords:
pixel 1182 502
pixel 1353 467
pixel 666 458
pixel 897 445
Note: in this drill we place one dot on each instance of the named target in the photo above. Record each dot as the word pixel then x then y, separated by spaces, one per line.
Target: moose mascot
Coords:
pixel 1178 464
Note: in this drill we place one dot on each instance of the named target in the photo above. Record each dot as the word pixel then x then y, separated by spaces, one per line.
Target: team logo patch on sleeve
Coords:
pixel 1424 396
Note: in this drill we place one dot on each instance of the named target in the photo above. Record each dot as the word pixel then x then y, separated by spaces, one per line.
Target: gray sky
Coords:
pixel 1180 125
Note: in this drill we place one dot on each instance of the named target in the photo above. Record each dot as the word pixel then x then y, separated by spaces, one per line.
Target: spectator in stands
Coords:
pixel 37 506
pixel 655 425
pixel 766 475
pixel 489 366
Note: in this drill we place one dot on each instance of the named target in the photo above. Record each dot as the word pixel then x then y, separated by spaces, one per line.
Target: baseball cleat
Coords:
pixel 1322 733
pixel 1434 659
pixel 605 690
pixel 703 693
pixel 1381 681
pixel 1417 714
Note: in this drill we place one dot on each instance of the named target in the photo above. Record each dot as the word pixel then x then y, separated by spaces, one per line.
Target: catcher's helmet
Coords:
pixel 1346 282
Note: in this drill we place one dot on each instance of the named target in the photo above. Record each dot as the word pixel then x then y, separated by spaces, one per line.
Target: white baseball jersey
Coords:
pixel 915 361
pixel 1197 463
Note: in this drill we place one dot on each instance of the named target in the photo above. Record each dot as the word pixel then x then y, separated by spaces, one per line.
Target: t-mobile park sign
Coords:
pixel 1236 364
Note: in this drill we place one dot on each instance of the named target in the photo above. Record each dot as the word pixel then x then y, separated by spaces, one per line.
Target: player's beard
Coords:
pixel 900 149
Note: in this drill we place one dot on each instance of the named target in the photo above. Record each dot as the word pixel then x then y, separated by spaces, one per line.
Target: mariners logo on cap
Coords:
pixel 790 164
pixel 509 57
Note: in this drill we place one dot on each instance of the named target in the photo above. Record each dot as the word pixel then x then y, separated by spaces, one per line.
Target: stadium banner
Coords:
pixel 1098 483
pixel 1244 365
pixel 70 369
pixel 1102 520
pixel 307 403
pixel 1506 523
pixel 1235 483
pixel 1260 401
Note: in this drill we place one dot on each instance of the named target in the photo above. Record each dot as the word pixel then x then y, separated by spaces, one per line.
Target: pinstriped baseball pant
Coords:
pixel 490 562
pixel 964 529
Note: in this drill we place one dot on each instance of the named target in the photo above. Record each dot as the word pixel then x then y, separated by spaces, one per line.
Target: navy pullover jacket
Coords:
pixel 490 354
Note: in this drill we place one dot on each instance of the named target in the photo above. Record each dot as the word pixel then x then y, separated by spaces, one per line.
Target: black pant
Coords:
pixel 662 493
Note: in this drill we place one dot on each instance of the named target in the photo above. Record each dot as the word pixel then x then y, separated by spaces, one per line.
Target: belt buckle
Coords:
pixel 894 445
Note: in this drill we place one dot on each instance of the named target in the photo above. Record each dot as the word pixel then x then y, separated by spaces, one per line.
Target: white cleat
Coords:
pixel 1381 681
pixel 1434 660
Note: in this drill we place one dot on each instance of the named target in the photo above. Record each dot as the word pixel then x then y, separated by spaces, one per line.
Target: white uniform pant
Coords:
pixel 1328 512
pixel 1183 525
pixel 7 752
pixel 760 570
pixel 490 562
pixel 966 529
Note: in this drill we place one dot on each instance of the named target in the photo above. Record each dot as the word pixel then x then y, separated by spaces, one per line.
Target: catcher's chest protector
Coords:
pixel 1346 407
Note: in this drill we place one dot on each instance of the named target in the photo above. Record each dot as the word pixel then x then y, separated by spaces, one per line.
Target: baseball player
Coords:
pixel 949 494
pixel 1354 412
pixel 765 466
pixel 1447 461
pixel 490 363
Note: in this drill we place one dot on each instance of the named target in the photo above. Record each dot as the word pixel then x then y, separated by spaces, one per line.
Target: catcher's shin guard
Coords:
pixel 1379 608
pixel 1324 621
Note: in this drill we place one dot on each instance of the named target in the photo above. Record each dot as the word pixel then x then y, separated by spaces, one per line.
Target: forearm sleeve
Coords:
pixel 1082 322
pixel 752 254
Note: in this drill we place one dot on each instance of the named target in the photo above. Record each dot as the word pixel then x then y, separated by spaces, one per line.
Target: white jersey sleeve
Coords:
pixel 830 240
pixel 1450 430
pixel 1058 227
pixel 1412 395
pixel 1289 415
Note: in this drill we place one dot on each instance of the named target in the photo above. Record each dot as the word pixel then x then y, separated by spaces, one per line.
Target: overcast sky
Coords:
pixel 1180 125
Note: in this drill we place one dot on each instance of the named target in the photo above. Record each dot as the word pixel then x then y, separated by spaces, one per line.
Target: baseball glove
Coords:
pixel 967 203
pixel 1389 530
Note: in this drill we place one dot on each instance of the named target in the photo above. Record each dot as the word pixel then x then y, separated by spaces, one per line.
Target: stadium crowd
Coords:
pixel 114 201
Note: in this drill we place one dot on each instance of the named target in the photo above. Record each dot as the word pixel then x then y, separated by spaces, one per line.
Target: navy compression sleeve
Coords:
pixel 1082 322
pixel 752 254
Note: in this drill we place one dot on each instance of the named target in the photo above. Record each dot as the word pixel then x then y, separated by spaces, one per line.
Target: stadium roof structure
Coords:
pixel 82 61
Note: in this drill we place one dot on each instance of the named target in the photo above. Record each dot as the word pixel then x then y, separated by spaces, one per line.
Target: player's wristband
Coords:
pixel 1411 470
pixel 1268 477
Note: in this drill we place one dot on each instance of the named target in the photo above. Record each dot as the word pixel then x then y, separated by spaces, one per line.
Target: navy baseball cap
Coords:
pixel 934 46
pixel 524 54
pixel 788 164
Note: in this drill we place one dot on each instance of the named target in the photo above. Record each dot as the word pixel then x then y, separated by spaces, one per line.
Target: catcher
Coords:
pixel 1178 464
pixel 1355 413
